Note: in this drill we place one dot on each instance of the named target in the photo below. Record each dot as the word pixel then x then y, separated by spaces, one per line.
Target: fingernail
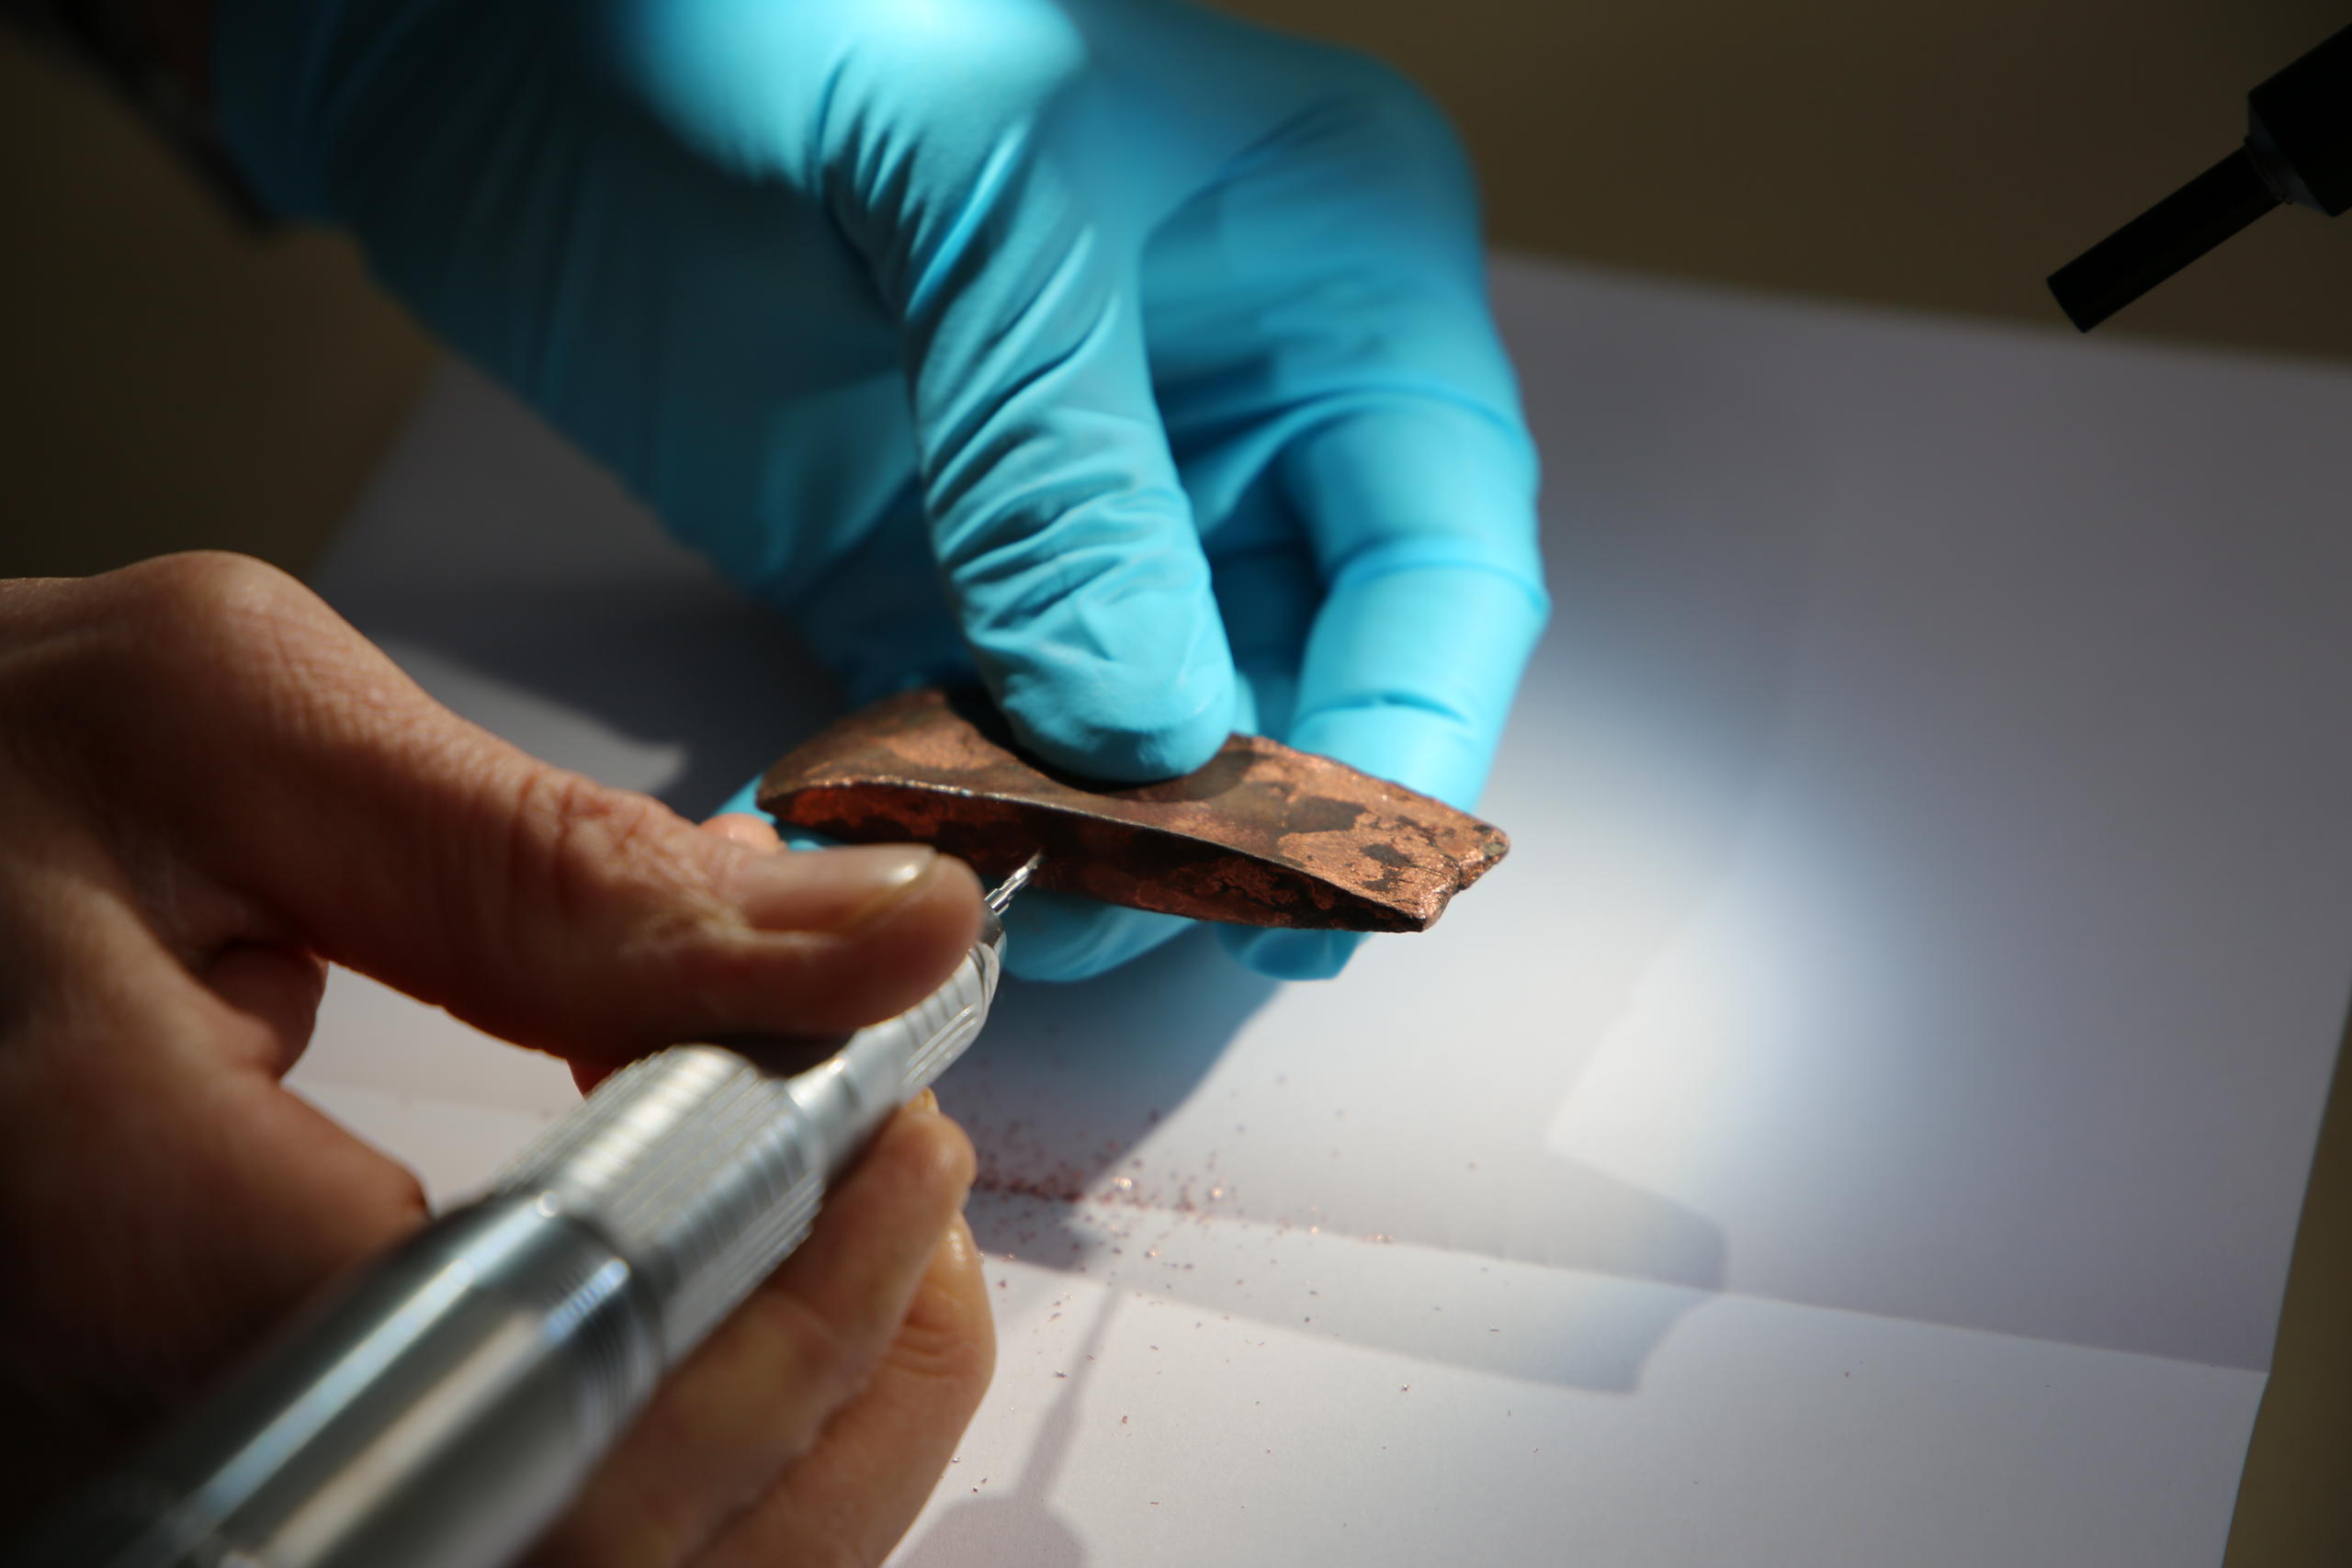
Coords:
pixel 827 890
pixel 927 1100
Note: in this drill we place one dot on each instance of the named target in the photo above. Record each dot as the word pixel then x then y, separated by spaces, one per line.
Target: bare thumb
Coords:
pixel 384 832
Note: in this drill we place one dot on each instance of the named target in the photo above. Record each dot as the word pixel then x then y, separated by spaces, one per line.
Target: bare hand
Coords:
pixel 210 787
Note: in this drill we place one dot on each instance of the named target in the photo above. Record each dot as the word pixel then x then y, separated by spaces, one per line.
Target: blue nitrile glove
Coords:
pixel 1107 346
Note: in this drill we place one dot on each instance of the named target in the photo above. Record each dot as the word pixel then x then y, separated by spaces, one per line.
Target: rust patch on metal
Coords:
pixel 1263 835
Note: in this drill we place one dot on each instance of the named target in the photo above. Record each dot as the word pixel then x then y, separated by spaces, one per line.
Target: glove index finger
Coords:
pixel 1069 549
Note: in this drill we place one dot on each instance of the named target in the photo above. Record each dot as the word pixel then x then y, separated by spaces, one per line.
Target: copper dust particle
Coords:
pixel 1123 1420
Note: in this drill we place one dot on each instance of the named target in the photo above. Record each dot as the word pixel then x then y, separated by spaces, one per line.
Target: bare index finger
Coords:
pixel 758 1394
pixel 849 1498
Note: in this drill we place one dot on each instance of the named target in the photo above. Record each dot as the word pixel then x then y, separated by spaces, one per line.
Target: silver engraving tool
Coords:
pixel 445 1405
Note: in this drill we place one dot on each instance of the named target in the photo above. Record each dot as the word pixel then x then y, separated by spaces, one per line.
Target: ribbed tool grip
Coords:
pixel 693 1163
pixel 947 1021
pixel 704 1171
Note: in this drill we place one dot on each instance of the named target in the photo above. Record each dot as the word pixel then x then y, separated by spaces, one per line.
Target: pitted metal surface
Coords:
pixel 1263 835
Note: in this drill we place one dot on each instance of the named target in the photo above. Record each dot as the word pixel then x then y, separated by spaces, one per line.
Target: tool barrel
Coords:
pixel 442 1408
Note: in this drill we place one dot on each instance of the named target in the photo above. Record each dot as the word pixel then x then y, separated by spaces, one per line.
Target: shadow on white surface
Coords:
pixel 1099 1114
pixel 1019 1524
pixel 1893 1049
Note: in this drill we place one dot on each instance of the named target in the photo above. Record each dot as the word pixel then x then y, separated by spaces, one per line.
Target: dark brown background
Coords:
pixel 173 382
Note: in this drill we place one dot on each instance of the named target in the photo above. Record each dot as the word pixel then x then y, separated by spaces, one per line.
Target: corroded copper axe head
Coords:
pixel 1262 836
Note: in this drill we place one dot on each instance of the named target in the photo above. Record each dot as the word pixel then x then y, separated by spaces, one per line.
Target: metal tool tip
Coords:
pixel 1002 896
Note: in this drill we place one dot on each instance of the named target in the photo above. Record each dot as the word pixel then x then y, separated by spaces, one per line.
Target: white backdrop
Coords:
pixel 1865 1119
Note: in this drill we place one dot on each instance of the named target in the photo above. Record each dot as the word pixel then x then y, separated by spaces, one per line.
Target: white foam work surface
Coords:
pixel 1864 1120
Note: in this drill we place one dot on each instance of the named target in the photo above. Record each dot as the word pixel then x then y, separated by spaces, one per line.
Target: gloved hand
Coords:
pixel 1132 354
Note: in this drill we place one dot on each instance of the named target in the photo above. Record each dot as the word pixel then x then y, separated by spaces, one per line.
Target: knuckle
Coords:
pixel 913 1161
pixel 205 619
pixel 947 1340
pixel 955 1164
pixel 813 1359
pixel 584 840
pixel 212 588
pixel 930 1158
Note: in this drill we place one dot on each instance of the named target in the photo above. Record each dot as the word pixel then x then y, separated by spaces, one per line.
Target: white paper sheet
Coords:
pixel 1865 1119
